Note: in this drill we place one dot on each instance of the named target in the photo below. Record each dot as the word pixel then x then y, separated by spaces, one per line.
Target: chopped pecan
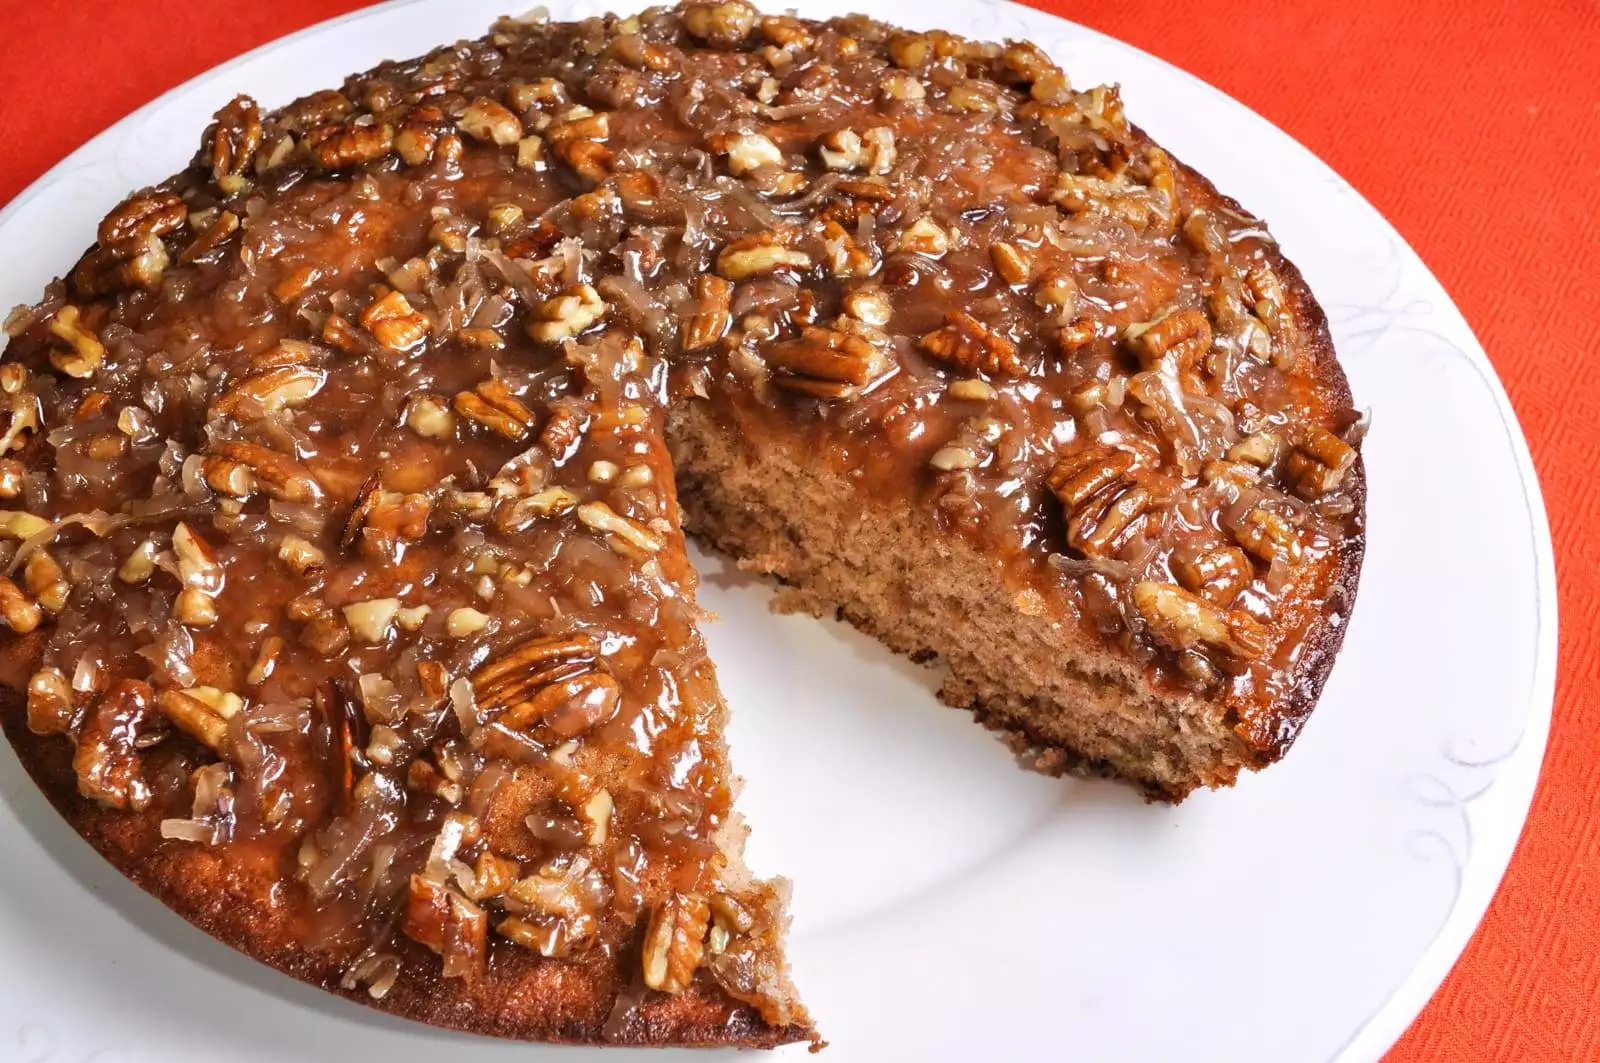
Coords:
pixel 589 159
pixel 562 431
pixel 622 534
pixel 969 343
pixel 1185 335
pixel 46 581
pixel 828 363
pixel 870 306
pixel 51 705
pixel 372 621
pixel 923 237
pixel 488 120
pixel 674 942
pixel 1184 621
pixel 846 257
pixel 491 875
pixel 212 237
pixel 1318 463
pixel 492 405
pixel 430 417
pixel 1268 534
pixel 747 152
pixel 1011 262
pixel 1216 572
pixel 17 611
pixel 85 352
pixel 202 713
pixel 383 519
pixel 418 135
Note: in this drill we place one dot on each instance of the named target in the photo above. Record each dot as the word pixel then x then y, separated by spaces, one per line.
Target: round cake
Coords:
pixel 348 474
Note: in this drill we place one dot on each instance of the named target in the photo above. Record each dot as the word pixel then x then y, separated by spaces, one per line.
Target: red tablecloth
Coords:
pixel 1474 127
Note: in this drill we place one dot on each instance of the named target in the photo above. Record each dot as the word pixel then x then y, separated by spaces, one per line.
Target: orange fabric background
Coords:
pixel 1474 127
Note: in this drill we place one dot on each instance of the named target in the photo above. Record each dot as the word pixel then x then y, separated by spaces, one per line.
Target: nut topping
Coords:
pixel 675 942
pixel 760 255
pixel 555 681
pixel 567 315
pixel 86 351
pixel 394 323
pixel 485 119
pixel 279 388
pixel 107 761
pixel 829 364
pixel 492 405
pixel 969 343
pixel 202 713
pixel 1183 621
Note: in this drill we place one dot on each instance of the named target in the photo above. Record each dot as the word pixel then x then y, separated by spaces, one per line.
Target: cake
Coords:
pixel 348 474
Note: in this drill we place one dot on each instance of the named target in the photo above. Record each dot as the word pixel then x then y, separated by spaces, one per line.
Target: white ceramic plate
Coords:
pixel 947 905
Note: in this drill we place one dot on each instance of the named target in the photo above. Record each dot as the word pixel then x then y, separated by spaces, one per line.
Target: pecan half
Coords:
pixel 566 315
pixel 1184 335
pixel 150 214
pixel 492 405
pixel 139 262
pixel 675 942
pixel 725 25
pixel 1185 621
pixel 829 364
pixel 711 320
pixel 761 254
pixel 268 392
pixel 556 681
pixel 1100 495
pixel 339 145
pixel 107 761
pixel 278 474
pixel 1216 572
pixel 395 323
pixel 969 343
pixel 234 140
